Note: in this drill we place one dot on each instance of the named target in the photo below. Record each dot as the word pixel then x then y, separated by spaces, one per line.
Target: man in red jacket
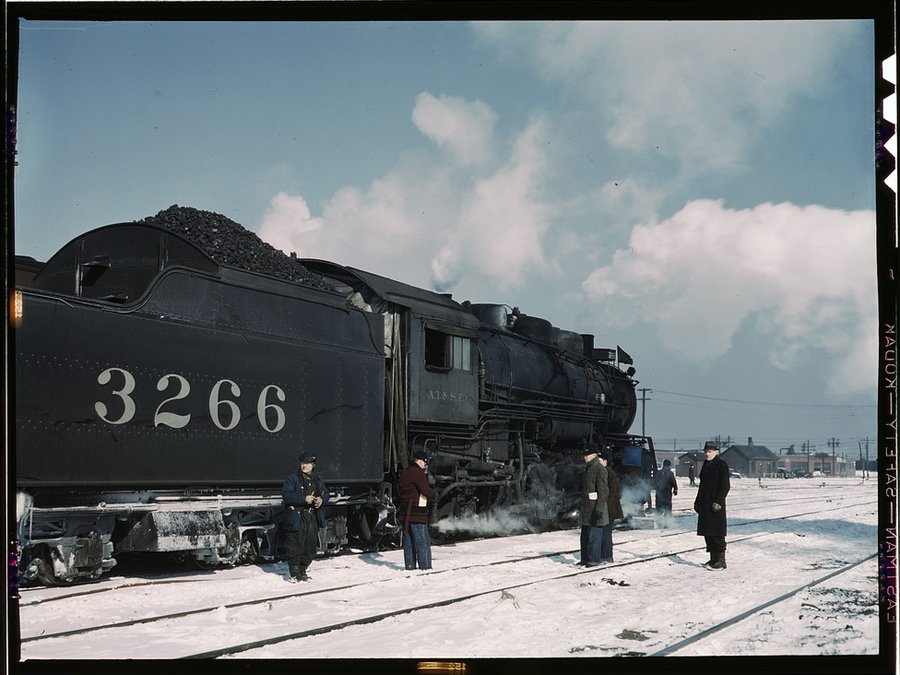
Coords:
pixel 415 493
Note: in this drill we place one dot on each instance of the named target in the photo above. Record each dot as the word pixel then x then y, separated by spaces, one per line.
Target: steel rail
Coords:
pixel 750 612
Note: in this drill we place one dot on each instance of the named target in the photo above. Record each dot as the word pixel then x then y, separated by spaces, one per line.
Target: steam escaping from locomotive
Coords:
pixel 498 523
pixel 169 371
pixel 634 497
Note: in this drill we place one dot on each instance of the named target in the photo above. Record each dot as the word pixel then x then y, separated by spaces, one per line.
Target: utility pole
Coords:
pixel 644 400
pixel 859 443
pixel 833 444
pixel 808 463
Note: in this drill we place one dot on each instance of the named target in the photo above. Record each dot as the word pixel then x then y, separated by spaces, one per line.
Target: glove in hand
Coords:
pixel 716 507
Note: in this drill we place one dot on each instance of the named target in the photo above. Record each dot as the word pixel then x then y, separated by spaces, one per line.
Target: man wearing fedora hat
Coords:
pixel 594 512
pixel 710 505
pixel 304 494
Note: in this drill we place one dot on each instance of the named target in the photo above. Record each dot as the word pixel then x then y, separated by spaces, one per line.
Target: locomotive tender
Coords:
pixel 161 398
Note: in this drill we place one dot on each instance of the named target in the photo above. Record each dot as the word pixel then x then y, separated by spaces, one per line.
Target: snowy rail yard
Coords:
pixel 802 580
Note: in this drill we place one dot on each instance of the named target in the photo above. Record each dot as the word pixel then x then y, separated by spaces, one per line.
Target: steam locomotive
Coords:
pixel 161 398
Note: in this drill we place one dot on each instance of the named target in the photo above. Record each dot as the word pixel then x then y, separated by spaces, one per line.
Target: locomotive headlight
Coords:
pixel 16 309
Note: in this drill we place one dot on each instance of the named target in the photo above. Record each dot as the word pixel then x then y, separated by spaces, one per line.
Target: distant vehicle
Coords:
pixel 735 474
pixel 802 474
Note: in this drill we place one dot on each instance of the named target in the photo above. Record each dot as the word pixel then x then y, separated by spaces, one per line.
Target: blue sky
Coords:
pixel 701 194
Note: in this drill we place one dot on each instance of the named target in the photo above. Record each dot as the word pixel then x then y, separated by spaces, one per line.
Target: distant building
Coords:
pixel 833 465
pixel 823 462
pixel 794 464
pixel 751 460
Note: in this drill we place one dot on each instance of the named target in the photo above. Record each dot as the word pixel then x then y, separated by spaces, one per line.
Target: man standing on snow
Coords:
pixel 594 513
pixel 665 488
pixel 303 493
pixel 710 505
pixel 613 505
pixel 414 492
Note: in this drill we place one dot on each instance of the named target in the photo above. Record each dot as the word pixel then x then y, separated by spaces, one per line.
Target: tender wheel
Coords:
pixel 249 549
pixel 41 570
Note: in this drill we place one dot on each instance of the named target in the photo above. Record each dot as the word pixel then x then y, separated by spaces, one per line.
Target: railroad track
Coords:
pixel 721 625
pixel 113 584
pixel 545 570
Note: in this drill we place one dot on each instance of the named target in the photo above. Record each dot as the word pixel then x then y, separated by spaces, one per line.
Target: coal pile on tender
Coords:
pixel 231 244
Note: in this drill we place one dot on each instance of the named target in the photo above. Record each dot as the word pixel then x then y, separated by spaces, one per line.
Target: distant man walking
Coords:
pixel 691 473
pixel 710 505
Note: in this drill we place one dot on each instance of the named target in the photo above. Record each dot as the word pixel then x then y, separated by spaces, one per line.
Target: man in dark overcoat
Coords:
pixel 614 506
pixel 710 505
pixel 666 486
pixel 304 494
pixel 594 511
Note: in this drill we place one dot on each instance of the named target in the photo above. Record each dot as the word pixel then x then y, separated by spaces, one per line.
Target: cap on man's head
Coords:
pixel 667 463
pixel 710 446
pixel 590 449
pixel 307 458
pixel 420 454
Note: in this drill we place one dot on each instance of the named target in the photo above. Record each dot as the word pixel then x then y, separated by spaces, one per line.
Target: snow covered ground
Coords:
pixel 526 599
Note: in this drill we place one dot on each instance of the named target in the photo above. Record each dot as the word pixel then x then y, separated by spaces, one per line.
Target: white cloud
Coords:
pixel 501 221
pixel 804 274
pixel 462 127
pixel 434 220
pixel 698 93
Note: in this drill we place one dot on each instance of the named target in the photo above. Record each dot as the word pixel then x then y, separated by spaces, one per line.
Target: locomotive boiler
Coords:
pixel 163 392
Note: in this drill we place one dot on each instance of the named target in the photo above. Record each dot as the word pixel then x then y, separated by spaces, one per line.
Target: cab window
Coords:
pixel 443 351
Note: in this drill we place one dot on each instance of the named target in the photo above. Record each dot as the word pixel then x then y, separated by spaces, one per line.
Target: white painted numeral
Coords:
pixel 127 402
pixel 215 402
pixel 262 407
pixel 171 419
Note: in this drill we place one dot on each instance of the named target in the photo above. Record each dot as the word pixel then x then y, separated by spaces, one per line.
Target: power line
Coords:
pixel 735 400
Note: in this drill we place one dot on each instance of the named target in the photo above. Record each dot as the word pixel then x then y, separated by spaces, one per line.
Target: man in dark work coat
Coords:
pixel 710 505
pixel 303 493
pixel 594 512
pixel 415 494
